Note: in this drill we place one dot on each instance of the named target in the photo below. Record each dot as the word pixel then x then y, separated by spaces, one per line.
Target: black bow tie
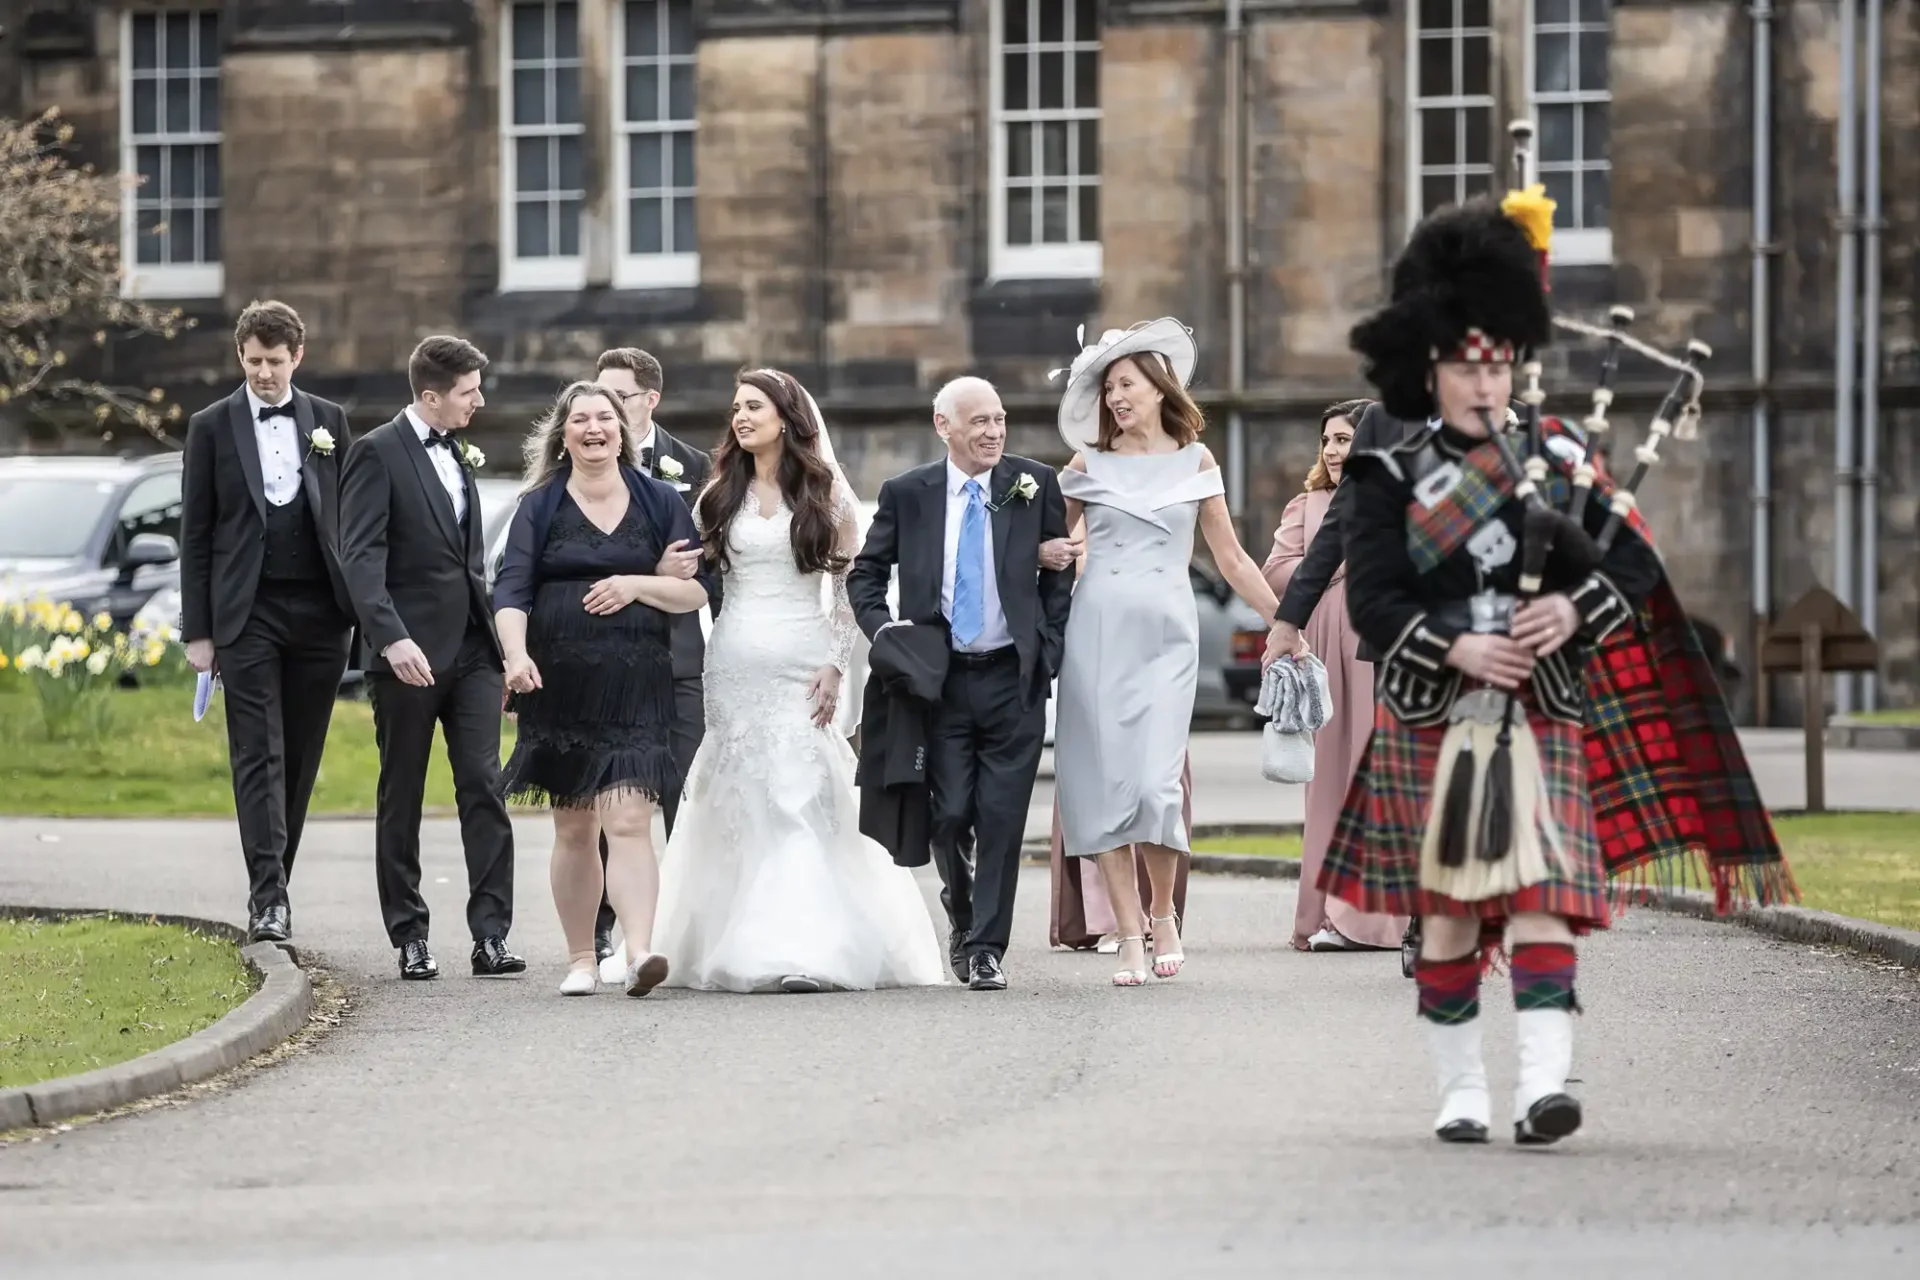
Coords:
pixel 276 411
pixel 646 458
pixel 442 439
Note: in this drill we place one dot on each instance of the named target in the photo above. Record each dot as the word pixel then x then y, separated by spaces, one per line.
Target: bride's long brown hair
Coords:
pixel 806 482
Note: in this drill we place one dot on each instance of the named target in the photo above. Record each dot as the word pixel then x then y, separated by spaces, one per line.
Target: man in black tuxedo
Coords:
pixel 263 600
pixel 411 546
pixel 1007 610
pixel 636 377
pixel 1375 430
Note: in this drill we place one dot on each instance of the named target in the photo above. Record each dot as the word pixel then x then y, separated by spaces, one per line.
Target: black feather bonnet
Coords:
pixel 1467 267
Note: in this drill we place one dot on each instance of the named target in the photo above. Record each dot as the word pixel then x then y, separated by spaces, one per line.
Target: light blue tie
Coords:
pixel 969 600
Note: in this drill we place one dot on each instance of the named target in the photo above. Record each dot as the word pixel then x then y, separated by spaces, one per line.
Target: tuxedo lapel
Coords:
pixel 247 445
pixel 310 462
pixel 476 536
pixel 434 492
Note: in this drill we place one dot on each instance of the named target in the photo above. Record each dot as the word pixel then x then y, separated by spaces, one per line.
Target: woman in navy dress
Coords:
pixel 582 607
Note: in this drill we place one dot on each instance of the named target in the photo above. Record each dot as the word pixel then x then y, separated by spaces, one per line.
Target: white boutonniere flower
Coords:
pixel 321 441
pixel 669 468
pixel 471 457
pixel 1024 488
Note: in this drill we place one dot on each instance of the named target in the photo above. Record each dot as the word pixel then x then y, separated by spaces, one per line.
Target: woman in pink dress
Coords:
pixel 1321 923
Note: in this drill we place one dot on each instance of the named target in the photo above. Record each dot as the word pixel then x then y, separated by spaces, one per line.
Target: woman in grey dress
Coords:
pixel 1141 481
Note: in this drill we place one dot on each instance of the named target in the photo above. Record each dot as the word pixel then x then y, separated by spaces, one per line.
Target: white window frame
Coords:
pixel 160 280
pixel 1575 246
pixel 648 270
pixel 1416 168
pixel 519 274
pixel 1074 259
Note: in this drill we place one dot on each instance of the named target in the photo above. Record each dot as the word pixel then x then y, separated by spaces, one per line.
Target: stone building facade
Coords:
pixel 879 196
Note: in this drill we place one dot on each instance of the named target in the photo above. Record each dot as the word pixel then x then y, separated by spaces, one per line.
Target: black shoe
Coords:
pixel 416 962
pixel 275 924
pixel 1548 1120
pixel 984 972
pixel 1462 1131
pixel 602 943
pixel 957 953
pixel 491 959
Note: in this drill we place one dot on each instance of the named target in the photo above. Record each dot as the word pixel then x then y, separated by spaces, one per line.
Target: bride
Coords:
pixel 767 883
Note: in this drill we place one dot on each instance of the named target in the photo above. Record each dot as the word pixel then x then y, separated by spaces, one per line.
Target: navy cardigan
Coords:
pixel 519 576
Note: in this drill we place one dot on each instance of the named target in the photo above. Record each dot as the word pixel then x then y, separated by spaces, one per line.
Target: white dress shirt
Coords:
pixel 994 635
pixel 645 443
pixel 445 465
pixel 279 443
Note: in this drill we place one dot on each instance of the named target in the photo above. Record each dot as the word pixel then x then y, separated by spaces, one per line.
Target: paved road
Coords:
pixel 1754 1108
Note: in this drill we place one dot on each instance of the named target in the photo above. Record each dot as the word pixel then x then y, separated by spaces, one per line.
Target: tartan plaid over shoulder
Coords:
pixel 1672 794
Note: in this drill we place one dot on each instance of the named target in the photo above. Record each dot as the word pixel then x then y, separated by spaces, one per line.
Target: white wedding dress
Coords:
pixel 767 876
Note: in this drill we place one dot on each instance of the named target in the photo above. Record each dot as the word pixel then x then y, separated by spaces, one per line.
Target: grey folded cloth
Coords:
pixel 1294 695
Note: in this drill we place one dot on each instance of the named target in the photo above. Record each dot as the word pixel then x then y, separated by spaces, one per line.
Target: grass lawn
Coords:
pixel 1276 846
pixel 1898 716
pixel 1865 865
pixel 87 993
pixel 159 763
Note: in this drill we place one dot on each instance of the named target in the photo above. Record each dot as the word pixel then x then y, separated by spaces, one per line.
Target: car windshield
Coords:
pixel 49 517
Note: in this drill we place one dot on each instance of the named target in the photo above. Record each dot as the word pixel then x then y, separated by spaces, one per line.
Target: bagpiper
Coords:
pixel 1547 720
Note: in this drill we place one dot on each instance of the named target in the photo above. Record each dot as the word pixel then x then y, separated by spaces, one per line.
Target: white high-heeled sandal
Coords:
pixel 1131 977
pixel 1173 958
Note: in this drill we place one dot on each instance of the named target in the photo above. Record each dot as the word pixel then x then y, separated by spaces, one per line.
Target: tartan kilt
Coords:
pixel 1373 862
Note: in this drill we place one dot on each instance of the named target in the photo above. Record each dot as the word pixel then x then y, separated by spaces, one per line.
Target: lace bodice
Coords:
pixel 763 582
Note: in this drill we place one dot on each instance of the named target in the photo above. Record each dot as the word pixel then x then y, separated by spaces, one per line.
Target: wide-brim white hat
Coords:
pixel 1080 403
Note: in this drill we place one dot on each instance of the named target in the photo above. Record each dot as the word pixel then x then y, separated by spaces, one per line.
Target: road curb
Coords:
pixel 1800 924
pixel 1869 736
pixel 1791 924
pixel 270 1015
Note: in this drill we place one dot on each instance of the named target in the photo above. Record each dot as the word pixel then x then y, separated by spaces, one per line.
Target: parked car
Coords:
pixel 101 534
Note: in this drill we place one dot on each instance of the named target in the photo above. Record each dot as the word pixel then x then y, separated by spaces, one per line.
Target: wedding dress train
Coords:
pixel 767 876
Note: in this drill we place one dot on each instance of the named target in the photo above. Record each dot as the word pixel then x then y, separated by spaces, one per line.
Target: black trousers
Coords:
pixel 689 726
pixel 281 675
pixel 988 731
pixel 465 703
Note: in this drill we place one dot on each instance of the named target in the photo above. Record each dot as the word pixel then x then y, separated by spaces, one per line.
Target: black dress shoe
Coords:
pixel 275 924
pixel 602 943
pixel 1462 1131
pixel 1548 1120
pixel 984 972
pixel 416 962
pixel 491 959
pixel 957 953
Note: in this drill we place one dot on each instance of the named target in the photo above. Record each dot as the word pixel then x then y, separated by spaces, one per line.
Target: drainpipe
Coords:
pixel 1234 145
pixel 1846 347
pixel 1760 326
pixel 1870 362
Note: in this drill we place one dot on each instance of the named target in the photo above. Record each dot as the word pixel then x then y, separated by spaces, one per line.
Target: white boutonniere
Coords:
pixel 669 467
pixel 1024 488
pixel 471 457
pixel 321 441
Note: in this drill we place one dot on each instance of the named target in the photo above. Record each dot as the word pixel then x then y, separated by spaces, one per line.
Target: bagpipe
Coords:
pixel 1490 829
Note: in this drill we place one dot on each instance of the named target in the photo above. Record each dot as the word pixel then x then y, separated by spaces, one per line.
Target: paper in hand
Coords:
pixel 203 693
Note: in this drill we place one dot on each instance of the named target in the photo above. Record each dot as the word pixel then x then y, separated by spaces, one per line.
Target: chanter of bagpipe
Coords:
pixel 1682 401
